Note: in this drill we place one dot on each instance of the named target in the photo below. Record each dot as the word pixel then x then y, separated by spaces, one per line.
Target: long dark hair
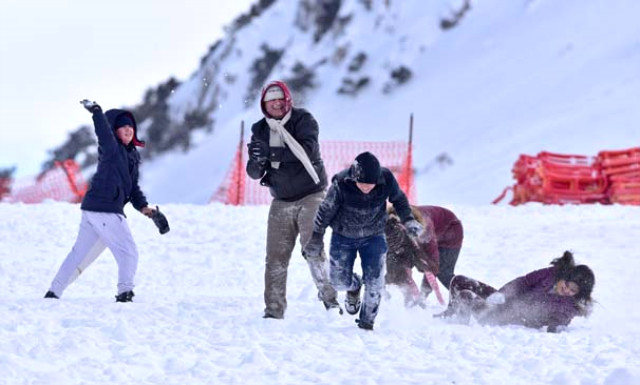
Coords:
pixel 581 274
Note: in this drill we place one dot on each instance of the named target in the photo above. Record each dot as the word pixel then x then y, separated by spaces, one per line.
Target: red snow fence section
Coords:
pixel 63 182
pixel 550 178
pixel 238 189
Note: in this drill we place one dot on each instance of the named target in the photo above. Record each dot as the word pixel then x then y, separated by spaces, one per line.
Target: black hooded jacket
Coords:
pixel 115 182
pixel 353 214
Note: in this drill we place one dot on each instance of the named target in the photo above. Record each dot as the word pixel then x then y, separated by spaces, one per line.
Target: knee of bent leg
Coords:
pixel 457 281
pixel 340 277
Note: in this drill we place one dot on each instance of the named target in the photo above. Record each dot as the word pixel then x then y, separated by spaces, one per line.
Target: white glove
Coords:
pixel 414 228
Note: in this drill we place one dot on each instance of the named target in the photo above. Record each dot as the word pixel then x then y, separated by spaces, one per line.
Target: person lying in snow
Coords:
pixel 436 250
pixel 355 208
pixel 549 297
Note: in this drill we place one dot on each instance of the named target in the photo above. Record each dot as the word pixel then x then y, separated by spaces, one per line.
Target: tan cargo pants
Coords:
pixel 286 221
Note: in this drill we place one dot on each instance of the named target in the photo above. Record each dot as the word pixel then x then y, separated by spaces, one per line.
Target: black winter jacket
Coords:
pixel 290 181
pixel 353 214
pixel 115 182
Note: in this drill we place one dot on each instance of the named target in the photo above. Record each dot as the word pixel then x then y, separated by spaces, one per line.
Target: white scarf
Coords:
pixel 279 136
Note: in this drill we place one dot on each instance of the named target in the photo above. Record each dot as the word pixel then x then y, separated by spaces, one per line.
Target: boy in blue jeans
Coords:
pixel 355 208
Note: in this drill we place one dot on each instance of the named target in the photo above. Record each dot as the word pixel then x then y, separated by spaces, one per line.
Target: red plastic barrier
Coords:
pixel 550 178
pixel 620 157
pixel 622 169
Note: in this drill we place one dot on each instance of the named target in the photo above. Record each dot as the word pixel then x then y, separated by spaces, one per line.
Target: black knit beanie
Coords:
pixel 366 168
pixel 123 120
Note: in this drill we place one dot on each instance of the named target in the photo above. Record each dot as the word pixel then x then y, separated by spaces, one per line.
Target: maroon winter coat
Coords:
pixel 531 301
pixel 442 230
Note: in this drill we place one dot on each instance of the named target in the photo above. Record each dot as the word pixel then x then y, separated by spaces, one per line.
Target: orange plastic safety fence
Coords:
pixel 63 182
pixel 238 189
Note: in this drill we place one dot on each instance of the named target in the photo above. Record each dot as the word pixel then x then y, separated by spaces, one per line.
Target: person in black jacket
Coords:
pixel 284 154
pixel 103 222
pixel 355 208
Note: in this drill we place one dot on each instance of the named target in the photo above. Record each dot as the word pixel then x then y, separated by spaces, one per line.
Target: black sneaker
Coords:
pixel 364 325
pixel 51 294
pixel 352 301
pixel 126 296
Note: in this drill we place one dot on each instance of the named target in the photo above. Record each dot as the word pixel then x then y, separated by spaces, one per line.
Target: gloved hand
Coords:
pixel 160 221
pixel 314 247
pixel 414 228
pixel 258 151
pixel 90 106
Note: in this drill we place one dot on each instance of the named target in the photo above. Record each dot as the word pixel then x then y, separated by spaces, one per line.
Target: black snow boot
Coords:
pixel 126 296
pixel 364 325
pixel 51 294
pixel 352 300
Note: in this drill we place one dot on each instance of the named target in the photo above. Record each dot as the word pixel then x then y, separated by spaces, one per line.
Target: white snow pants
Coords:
pixel 98 231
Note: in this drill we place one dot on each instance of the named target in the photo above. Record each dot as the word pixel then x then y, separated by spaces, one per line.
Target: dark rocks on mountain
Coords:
pixel 451 22
pixel 261 69
pixel 301 80
pixel 255 11
pixel 6 178
pixel 399 76
pixel 352 87
pixel 319 14
pixel 357 62
pixel 80 145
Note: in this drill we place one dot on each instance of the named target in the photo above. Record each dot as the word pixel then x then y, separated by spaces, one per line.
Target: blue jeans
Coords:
pixel 372 250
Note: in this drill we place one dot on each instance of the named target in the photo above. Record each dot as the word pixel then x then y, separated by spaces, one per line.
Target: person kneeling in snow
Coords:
pixel 436 251
pixel 355 208
pixel 103 222
pixel 549 297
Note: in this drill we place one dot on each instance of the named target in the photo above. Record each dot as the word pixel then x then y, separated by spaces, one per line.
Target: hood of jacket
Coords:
pixel 113 114
pixel 287 96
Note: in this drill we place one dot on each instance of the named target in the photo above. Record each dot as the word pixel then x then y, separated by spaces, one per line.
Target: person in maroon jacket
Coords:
pixel 549 297
pixel 435 251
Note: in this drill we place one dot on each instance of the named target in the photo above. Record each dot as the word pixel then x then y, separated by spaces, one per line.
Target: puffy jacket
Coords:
pixel 290 181
pixel 532 302
pixel 353 214
pixel 442 229
pixel 115 182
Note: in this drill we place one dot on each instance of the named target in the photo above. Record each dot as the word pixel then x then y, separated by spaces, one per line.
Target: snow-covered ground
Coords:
pixel 196 318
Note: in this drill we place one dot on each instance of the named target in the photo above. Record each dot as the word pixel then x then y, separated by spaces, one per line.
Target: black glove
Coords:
pixel 160 221
pixel 314 247
pixel 90 106
pixel 258 151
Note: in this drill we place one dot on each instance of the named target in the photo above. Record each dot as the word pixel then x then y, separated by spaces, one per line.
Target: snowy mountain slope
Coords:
pixel 509 78
pixel 196 316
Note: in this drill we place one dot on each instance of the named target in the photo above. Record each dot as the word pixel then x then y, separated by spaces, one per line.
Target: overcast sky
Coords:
pixel 56 52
